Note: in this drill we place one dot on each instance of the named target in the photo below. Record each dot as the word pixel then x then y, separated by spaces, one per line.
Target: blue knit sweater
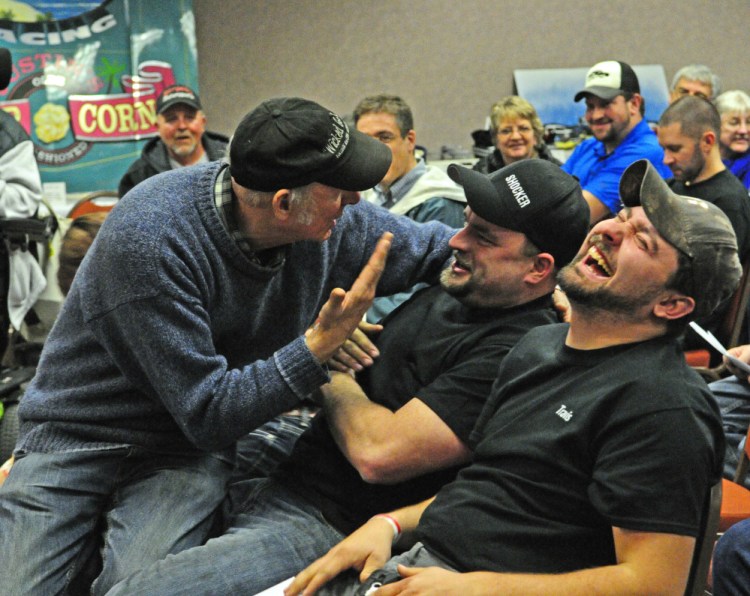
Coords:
pixel 171 339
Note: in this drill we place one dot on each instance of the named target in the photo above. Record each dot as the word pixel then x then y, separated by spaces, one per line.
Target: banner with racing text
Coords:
pixel 86 76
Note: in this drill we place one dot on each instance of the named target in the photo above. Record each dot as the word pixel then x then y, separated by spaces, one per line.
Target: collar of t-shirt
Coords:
pixel 400 187
pixel 174 164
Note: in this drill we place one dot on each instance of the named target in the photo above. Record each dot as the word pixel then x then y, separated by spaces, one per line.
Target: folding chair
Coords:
pixel 704 543
pixel 729 332
pixel 735 505
pixel 101 200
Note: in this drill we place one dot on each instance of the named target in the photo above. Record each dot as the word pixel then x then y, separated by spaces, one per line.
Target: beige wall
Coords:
pixel 450 59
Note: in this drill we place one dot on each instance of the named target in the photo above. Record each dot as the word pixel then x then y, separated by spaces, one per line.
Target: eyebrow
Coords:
pixel 645 228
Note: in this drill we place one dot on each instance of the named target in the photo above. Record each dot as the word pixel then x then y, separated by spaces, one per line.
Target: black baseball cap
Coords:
pixel 609 79
pixel 289 142
pixel 177 94
pixel 534 197
pixel 697 228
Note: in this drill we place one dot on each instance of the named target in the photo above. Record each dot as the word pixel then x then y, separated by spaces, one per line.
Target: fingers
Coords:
pixel 370 275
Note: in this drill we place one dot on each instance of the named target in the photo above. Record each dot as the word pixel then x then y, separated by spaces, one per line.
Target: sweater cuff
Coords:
pixel 300 369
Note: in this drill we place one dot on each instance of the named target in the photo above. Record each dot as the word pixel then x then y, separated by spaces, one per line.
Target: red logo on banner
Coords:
pixel 20 109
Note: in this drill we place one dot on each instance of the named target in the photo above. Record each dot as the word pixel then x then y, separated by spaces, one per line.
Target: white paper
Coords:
pixel 277 590
pixel 716 344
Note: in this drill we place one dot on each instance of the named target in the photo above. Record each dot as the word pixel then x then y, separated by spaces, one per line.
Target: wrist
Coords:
pixel 393 522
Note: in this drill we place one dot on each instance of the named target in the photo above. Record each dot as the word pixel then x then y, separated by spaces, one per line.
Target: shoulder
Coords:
pixel 11 132
pixel 215 144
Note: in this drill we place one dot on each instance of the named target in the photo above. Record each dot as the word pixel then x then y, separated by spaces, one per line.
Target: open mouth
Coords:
pixel 459 266
pixel 597 262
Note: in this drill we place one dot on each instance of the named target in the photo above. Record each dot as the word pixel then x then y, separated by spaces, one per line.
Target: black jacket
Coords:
pixel 154 159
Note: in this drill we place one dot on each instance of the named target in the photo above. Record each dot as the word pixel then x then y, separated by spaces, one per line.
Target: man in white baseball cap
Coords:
pixel 614 111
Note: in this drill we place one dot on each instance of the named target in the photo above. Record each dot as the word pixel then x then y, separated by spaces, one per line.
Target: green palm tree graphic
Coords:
pixel 110 72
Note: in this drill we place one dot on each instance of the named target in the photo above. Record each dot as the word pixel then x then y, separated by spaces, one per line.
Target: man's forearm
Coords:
pixel 355 422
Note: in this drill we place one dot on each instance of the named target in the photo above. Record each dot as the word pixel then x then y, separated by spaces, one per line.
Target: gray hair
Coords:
pixel 733 101
pixel 297 196
pixel 700 73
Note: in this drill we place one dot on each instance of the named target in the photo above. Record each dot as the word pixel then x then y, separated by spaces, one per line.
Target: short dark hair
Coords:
pixel 388 104
pixel 695 116
pixel 682 282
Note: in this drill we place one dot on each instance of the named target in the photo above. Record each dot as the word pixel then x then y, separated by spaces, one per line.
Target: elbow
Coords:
pixel 374 467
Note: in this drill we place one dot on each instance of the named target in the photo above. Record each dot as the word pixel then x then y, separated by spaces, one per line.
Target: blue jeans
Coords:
pixel 733 397
pixel 731 568
pixel 277 534
pixel 133 506
pixel 347 584
pixel 260 451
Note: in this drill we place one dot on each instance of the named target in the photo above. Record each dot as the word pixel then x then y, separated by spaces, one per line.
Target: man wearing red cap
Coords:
pixel 183 139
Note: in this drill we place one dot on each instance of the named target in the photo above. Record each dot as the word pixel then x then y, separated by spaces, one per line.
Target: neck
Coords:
pixel 189 160
pixel 593 329
pixel 610 146
pixel 257 224
pixel 713 166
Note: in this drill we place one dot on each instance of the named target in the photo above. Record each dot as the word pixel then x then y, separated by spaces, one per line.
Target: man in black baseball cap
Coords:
pixel 620 136
pixel 398 431
pixel 595 453
pixel 206 306
pixel 182 138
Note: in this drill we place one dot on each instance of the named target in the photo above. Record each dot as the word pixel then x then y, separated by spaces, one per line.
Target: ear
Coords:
pixel 708 140
pixel 635 103
pixel 542 268
pixel 674 306
pixel 282 207
pixel 411 136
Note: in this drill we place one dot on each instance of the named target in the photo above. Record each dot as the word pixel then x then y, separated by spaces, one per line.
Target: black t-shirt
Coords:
pixel 432 348
pixel 726 192
pixel 572 443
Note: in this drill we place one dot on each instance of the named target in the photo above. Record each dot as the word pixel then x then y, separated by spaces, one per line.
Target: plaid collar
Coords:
pixel 224 199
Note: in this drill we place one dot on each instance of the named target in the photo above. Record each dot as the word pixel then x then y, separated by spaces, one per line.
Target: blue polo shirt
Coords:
pixel 599 172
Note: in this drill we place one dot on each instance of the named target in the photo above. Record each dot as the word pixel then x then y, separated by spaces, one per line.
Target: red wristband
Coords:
pixel 394 524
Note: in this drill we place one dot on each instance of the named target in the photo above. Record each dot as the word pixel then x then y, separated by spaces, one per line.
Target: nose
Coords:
pixel 668 158
pixel 515 133
pixel 609 231
pixel 743 129
pixel 458 241
pixel 595 112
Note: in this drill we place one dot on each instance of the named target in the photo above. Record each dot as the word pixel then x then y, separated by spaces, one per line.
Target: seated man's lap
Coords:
pixel 276 534
pixel 53 505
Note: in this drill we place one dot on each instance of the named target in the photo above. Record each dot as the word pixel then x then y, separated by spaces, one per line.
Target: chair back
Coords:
pixel 729 332
pixel 704 543
pixel 741 471
pixel 101 200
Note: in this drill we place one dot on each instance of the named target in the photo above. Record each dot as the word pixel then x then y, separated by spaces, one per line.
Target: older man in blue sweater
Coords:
pixel 185 329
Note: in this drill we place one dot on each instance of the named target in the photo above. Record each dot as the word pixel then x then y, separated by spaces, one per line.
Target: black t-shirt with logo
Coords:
pixel 572 443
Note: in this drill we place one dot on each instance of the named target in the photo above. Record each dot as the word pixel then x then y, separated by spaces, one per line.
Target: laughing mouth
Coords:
pixel 596 261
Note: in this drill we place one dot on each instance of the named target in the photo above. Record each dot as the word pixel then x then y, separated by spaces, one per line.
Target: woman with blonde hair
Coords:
pixel 517 133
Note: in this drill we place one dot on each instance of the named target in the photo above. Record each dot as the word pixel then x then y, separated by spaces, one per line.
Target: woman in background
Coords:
pixel 517 133
pixel 734 108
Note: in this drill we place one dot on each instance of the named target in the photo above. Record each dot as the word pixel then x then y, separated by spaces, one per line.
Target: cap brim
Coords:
pixel 168 105
pixel 363 165
pixel 481 195
pixel 606 93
